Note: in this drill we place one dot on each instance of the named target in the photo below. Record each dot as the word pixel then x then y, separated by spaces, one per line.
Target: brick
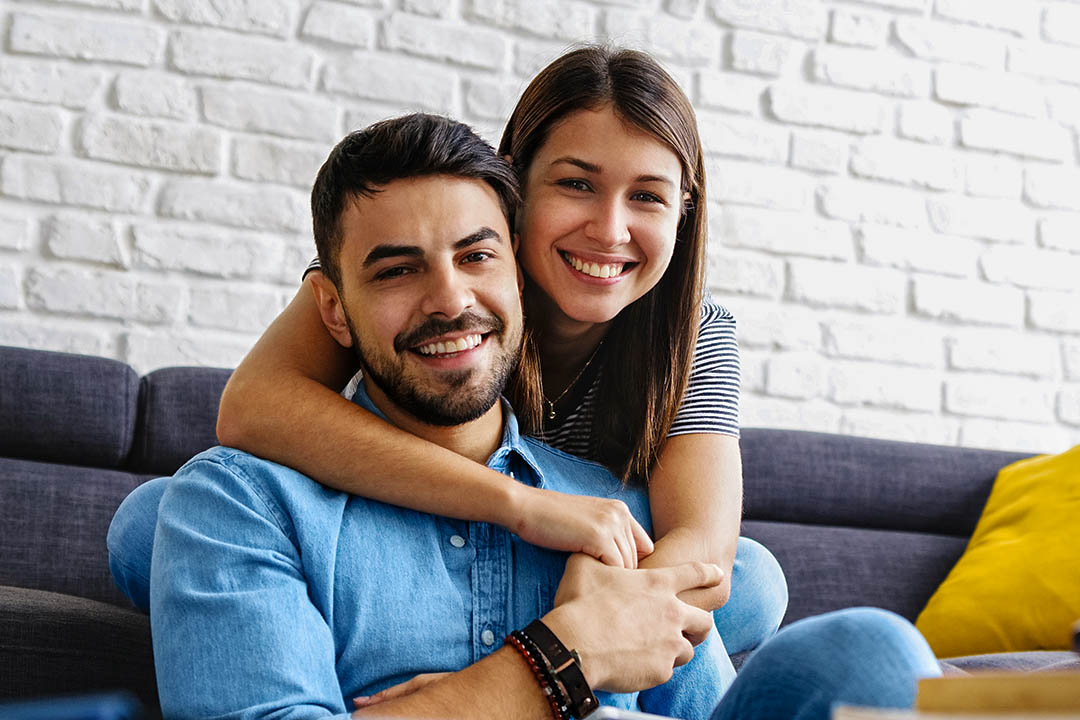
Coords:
pixel 154 94
pixel 987 130
pixel 81 237
pixel 72 182
pixel 1061 23
pixel 366 114
pixel 1068 405
pixel 391 80
pixel 1056 311
pixel 269 17
pixel 766 324
pixel 820 152
pixel 859 29
pixel 228 308
pixel 993 176
pixel 797 375
pixel 765 54
pixel 967 301
pixel 979 218
pixel 531 55
pixel 29 127
pixel 227 55
pixel 996 90
pixel 746 183
pixel 259 207
pixel 931 40
pixel 1016 436
pixel 685 9
pixel 1061 232
pixel 555 19
pixel 695 44
pixel 205 251
pixel 927 122
pixel 146 350
pixel 1047 186
pixel 912 5
pixel 124 5
pixel 1045 61
pixel 1063 105
pixel 491 99
pixel 1071 352
pixel 886 246
pixel 999 396
pixel 431 8
pixel 827 107
pixel 295 260
pixel 56 336
pixel 884 386
pixel 10 291
pixel 1019 18
pixel 783 233
pixel 275 161
pixel 829 284
pixel 870 70
pixel 907 163
pixel 746 274
pixel 339 24
pixel 1031 268
pixel 102 294
pixel 889 340
pixel 903 427
pixel 14 232
pixel 1004 351
pixel 781 413
pixel 439 40
pixel 165 145
pixel 728 91
pixel 271 111
pixel 785 17
pixel 865 202
pixel 52 84
pixel 742 138
pixel 82 38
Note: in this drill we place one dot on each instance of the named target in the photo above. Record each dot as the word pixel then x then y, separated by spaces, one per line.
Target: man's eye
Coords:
pixel 391 273
pixel 574 184
pixel 475 257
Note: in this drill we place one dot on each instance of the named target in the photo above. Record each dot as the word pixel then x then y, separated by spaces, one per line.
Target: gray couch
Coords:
pixel 853 521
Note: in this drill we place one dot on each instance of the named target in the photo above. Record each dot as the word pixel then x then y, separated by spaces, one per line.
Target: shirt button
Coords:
pixel 457 541
pixel 487 637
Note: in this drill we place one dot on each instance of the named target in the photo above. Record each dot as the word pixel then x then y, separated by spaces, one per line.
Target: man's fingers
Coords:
pixel 697 625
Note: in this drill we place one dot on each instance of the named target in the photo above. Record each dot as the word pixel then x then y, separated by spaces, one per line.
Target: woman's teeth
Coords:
pixel 452 346
pixel 595 269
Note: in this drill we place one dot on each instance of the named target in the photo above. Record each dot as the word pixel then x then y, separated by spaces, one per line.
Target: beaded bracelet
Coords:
pixel 557 669
pixel 558 708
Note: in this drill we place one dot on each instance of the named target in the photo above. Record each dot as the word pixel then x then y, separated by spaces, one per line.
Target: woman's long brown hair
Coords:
pixel 652 340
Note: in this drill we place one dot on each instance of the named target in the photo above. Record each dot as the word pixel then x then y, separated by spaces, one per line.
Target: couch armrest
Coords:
pixel 55 644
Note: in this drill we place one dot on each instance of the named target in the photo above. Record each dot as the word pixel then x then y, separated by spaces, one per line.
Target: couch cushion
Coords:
pixel 54 644
pixel 54 519
pixel 66 408
pixel 829 568
pixel 177 417
pixel 825 479
pixel 1048 661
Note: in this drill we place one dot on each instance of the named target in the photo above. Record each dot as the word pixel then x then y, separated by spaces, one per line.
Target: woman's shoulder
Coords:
pixel 716 320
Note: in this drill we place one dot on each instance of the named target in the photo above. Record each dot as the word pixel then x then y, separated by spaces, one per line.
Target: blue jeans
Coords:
pixel 757 605
pixel 859 656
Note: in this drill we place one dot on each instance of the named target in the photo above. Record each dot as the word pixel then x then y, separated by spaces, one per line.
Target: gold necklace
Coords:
pixel 551 403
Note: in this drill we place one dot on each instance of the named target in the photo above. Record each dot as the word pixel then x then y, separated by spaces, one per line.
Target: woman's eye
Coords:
pixel 574 184
pixel 648 197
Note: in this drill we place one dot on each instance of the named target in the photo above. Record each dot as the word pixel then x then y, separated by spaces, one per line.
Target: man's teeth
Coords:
pixel 596 269
pixel 452 346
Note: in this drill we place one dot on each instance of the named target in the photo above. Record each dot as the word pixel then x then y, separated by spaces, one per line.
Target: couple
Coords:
pixel 273 595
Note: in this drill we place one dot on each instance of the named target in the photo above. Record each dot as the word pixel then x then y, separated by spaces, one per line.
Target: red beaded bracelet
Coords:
pixel 546 686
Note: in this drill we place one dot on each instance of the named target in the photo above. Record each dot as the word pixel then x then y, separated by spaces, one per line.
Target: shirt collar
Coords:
pixel 512 446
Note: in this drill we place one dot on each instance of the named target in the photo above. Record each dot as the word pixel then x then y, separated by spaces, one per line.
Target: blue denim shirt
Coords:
pixel 274 596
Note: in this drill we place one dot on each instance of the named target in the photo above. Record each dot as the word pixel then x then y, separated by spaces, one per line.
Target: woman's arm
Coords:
pixel 280 404
pixel 695 493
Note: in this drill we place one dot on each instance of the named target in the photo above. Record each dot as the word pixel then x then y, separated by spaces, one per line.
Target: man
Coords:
pixel 273 596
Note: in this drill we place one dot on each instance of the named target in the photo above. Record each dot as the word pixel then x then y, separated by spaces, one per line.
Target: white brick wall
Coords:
pixel 894 184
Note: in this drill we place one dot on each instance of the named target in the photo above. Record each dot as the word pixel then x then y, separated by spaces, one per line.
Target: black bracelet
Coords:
pixel 566 668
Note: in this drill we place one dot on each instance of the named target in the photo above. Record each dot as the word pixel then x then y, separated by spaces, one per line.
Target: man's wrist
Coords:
pixel 562 623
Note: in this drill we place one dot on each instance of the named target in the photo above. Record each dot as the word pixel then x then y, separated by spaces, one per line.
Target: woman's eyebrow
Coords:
pixel 596 169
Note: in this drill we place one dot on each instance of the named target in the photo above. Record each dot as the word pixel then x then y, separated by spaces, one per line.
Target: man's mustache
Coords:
pixel 431 328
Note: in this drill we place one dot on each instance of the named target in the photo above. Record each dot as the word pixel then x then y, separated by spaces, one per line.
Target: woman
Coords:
pixel 638 372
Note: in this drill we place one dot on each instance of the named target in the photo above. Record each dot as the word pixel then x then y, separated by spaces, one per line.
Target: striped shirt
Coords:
pixel 711 402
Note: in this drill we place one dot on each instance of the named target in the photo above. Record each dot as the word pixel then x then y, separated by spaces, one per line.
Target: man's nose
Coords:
pixel 447 293
pixel 609 225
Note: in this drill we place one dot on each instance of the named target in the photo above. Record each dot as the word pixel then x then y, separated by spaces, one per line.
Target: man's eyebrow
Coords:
pixel 381 252
pixel 484 233
pixel 596 169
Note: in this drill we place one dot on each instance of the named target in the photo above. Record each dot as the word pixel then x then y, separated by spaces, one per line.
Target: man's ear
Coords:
pixel 330 308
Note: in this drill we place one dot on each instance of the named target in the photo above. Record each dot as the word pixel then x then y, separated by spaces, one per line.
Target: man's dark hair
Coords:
pixel 404 147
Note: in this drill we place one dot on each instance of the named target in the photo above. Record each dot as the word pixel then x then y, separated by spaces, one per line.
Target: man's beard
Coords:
pixel 464 395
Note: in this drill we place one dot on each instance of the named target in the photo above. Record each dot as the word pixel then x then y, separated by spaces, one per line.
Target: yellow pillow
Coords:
pixel 1017 585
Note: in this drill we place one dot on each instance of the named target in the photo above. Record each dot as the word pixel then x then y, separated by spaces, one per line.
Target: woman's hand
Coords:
pixel 600 527
pixel 400 690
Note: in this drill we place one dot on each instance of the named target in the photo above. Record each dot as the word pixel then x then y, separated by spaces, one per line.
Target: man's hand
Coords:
pixel 400 690
pixel 629 626
pixel 600 527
